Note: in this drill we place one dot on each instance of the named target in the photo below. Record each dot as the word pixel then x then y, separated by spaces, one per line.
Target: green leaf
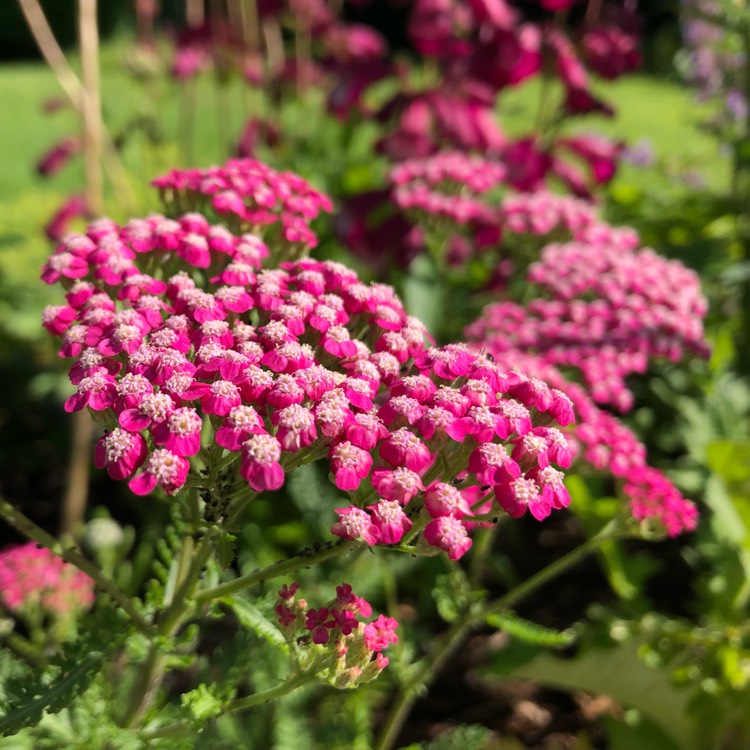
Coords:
pixel 225 549
pixel 463 737
pixel 35 702
pixel 204 703
pixel 636 731
pixel 424 295
pixel 255 620
pixel 529 632
pixel 619 673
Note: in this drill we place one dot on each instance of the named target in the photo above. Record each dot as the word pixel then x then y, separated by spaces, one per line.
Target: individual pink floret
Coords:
pixel 449 534
pixel 355 523
pixel 164 469
pixel 349 465
pixel 380 633
pixel 180 432
pixel 390 520
pixel 260 463
pixel 404 448
pixel 120 452
pixel 241 422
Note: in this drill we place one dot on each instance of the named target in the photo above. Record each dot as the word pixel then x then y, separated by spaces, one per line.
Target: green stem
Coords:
pixel 240 704
pixel 28 528
pixel 144 690
pixel 170 618
pixel 153 669
pixel 301 560
pixel 470 619
pixel 554 569
pixel 25 648
pixel 409 692
pixel 169 730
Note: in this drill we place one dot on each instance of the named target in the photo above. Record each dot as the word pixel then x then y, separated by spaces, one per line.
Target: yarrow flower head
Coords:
pixel 603 309
pixel 250 195
pixel 32 577
pixel 295 363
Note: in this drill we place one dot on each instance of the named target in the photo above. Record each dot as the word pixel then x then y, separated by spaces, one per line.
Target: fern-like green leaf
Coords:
pixel 529 632
pixel 251 617
pixel 33 703
pixel 29 697
pixel 462 737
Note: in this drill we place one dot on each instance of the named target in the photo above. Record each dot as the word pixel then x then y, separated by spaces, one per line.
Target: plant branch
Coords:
pixel 554 569
pixel 303 559
pixel 29 529
pixel 240 704
pixel 50 49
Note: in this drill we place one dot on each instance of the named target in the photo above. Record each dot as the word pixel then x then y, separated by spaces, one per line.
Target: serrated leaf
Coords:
pixel 57 696
pixel 204 703
pixel 225 549
pixel 255 620
pixel 529 632
pixel 462 737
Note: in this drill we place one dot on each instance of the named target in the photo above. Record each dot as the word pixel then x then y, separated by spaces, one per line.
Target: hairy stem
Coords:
pixel 77 480
pixel 304 559
pixel 147 683
pixel 29 529
pixel 240 704
pixel 153 670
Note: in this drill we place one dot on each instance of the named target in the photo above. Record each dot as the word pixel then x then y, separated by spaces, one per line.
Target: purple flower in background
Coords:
pixel 640 154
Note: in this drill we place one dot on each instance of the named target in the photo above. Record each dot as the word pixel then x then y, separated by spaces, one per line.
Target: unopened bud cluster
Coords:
pixel 334 643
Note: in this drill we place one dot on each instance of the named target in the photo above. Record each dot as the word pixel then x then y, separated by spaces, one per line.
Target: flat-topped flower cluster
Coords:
pixel 35 581
pixel 249 195
pixel 193 355
pixel 597 307
pixel 466 196
pixel 604 310
pixel 601 441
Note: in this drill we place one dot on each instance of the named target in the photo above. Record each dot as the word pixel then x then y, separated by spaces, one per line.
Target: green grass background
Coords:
pixel 210 117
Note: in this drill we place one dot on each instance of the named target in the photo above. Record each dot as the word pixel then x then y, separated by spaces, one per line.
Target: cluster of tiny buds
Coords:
pixel 32 579
pixel 288 365
pixel 250 195
pixel 602 441
pixel 334 641
pixel 604 311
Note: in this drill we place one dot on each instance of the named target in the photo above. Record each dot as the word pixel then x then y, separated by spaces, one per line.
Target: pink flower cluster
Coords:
pixel 32 577
pixel 466 192
pixel 481 48
pixel 601 440
pixel 250 194
pixel 459 416
pixel 301 362
pixel 354 646
pixel 606 311
pixel 446 186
